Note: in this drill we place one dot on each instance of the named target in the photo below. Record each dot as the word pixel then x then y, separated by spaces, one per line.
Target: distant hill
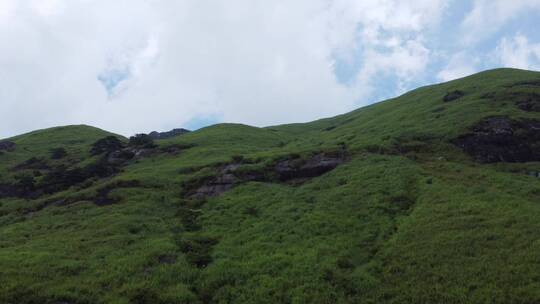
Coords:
pixel 430 197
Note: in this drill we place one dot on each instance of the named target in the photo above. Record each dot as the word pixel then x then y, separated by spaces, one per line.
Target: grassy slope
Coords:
pixel 387 226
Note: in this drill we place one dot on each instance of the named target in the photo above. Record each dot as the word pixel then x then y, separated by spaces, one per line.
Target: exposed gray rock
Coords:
pixel 168 134
pixel 315 166
pixel 297 170
pixel 216 186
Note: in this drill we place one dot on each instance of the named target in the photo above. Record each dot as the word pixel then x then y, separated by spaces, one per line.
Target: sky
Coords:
pixel 132 66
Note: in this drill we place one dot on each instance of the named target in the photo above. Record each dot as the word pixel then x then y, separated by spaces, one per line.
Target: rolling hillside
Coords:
pixel 430 197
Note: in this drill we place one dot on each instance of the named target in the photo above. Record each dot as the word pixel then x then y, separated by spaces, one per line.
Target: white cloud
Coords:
pixel 518 52
pixel 460 65
pixel 254 62
pixel 488 16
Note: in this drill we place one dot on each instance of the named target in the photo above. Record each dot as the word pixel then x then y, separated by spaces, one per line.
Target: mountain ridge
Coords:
pixel 418 199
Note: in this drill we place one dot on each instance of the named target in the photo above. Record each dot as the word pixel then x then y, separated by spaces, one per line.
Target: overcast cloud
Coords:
pixel 141 65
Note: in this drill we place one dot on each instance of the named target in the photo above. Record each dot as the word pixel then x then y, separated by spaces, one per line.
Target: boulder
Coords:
pixel 313 167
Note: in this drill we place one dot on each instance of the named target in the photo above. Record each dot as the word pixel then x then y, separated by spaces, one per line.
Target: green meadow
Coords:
pixel 408 216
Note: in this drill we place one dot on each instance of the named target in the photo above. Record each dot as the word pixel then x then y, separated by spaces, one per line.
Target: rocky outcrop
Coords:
pixel 33 163
pixel 168 134
pixel 7 145
pixel 529 102
pixel 312 167
pixel 217 185
pixel 295 170
pixel 499 139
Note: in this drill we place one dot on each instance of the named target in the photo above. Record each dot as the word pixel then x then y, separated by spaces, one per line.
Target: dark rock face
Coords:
pixel 313 167
pixel 168 134
pixel 454 95
pixel 529 102
pixel 295 170
pixel 499 139
pixel 7 145
pixel 226 179
pixel 216 186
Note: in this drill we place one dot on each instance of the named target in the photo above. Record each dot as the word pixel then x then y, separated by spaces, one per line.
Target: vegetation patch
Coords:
pixel 454 95
pixel 106 145
pixel 33 163
pixel 143 141
pixel 409 221
pixel 58 153
pixel 103 198
pixel 56 179
pixel 526 101
pixel 526 83
pixel 197 249
pixel 189 212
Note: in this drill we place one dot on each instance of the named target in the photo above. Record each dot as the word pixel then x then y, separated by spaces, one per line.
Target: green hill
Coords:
pixel 430 197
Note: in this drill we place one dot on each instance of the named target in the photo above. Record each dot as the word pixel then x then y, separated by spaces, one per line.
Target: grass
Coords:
pixel 409 218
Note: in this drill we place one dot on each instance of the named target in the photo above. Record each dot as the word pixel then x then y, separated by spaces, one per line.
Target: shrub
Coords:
pixel 141 141
pixel 106 145
pixel 25 183
pixel 251 211
pixel 197 250
pixel 58 153
pixel 237 158
pixel 451 96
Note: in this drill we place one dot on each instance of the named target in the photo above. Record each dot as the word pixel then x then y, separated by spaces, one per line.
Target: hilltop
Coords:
pixel 429 197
